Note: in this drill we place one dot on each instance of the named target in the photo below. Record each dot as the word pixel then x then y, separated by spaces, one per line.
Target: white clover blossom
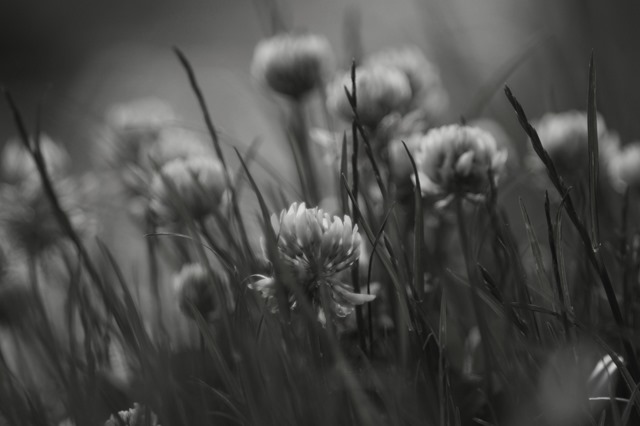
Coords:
pixel 196 185
pixel 194 287
pixel 316 248
pixel 380 91
pixel 18 164
pixel 623 167
pixel 293 64
pixel 174 143
pixel 427 91
pixel 136 416
pixel 565 138
pixel 133 125
pixel 29 220
pixel 457 160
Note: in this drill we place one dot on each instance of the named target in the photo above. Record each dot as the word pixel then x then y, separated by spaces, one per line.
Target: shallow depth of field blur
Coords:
pixel 268 212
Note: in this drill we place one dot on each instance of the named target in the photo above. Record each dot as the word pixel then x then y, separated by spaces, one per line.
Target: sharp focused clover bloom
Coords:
pixel 427 91
pixel 293 64
pixel 195 290
pixel 458 160
pixel 195 184
pixel 380 90
pixel 316 247
pixel 18 164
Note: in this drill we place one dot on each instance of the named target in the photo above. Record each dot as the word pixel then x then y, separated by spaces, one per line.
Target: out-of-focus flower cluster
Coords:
pixel 166 171
pixel 136 416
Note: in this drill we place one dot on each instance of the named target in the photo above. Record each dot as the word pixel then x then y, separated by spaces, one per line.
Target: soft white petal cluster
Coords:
pixel 136 416
pixel 193 186
pixel 18 165
pixel 380 90
pixel 316 247
pixel 457 160
pixel 623 166
pixel 427 91
pixel 565 138
pixel 315 242
pixel 132 126
pixel 293 64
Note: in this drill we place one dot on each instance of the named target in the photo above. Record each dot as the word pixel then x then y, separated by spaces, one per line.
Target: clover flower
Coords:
pixel 316 247
pixel 380 90
pixel 29 220
pixel 18 165
pixel 565 138
pixel 136 416
pixel 174 143
pixel 427 91
pixel 195 290
pixel 133 125
pixel 456 160
pixel 194 184
pixel 292 64
pixel 623 167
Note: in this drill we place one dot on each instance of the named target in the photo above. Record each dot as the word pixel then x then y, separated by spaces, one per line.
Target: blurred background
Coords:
pixel 81 56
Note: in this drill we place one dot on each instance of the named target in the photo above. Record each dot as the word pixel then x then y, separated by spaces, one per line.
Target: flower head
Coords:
pixel 133 125
pixel 174 143
pixel 380 90
pixel 427 92
pixel 316 247
pixel 29 220
pixel 18 165
pixel 457 160
pixel 195 184
pixel 136 416
pixel 623 166
pixel 292 64
pixel 195 290
pixel 565 138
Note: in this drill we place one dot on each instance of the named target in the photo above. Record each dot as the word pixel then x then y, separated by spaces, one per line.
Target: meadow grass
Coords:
pixel 472 322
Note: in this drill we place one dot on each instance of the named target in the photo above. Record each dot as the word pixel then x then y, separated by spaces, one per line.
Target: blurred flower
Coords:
pixel 456 161
pixel 133 125
pixel 136 416
pixel 292 64
pixel 623 167
pixel 195 290
pixel 29 220
pixel 565 138
pixel 195 184
pixel 380 90
pixel 316 247
pixel 174 143
pixel 18 164
pixel 427 92
pixel 503 141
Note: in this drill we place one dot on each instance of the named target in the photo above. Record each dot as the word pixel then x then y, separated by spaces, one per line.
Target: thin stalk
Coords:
pixel 300 130
pixel 475 298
